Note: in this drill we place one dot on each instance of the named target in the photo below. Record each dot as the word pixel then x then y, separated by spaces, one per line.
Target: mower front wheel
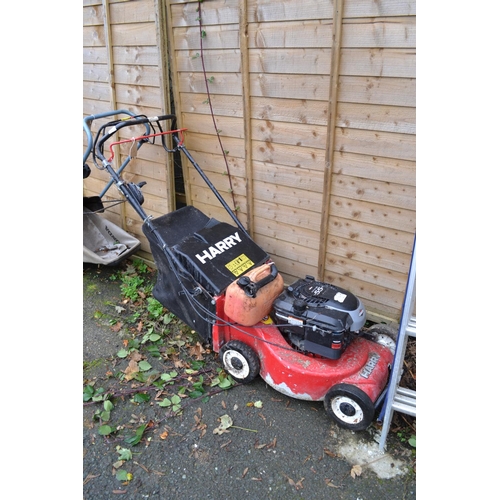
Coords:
pixel 349 406
pixel 240 361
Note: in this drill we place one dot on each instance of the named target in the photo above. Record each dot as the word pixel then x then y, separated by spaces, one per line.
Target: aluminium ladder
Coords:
pixel 399 398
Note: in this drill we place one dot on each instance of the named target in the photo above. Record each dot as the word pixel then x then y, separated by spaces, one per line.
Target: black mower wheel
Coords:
pixel 384 335
pixel 349 406
pixel 240 361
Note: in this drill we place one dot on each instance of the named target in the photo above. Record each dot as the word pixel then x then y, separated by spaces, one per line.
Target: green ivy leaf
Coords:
pixel 122 475
pixel 136 438
pixel 144 366
pixel 105 430
pixel 122 353
pixel 141 398
pixel 125 454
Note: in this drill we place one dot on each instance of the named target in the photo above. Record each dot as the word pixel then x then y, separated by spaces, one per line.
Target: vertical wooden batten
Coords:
pixel 330 135
pixel 247 127
pixel 162 42
pixel 112 89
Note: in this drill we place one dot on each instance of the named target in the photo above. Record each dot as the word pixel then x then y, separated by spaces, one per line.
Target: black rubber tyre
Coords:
pixel 349 406
pixel 384 335
pixel 240 361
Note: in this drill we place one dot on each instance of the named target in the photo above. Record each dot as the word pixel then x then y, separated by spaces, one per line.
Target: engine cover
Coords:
pixel 318 317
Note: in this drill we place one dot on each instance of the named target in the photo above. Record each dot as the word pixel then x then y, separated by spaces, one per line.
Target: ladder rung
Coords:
pixel 405 401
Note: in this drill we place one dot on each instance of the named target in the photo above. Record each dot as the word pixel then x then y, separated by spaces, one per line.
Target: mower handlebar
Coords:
pixel 130 122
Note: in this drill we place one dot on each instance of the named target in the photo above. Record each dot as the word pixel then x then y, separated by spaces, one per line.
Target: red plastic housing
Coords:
pixel 364 363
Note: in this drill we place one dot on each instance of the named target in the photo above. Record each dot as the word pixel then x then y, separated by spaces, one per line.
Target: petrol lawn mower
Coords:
pixel 305 340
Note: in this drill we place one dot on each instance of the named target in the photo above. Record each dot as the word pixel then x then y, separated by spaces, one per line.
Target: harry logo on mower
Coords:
pixel 219 247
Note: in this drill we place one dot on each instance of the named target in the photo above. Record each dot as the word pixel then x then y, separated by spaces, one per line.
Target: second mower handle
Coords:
pixel 130 123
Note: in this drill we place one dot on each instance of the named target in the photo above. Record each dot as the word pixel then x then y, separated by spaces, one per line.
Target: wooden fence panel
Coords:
pixel 311 139
pixel 123 69
pixel 317 132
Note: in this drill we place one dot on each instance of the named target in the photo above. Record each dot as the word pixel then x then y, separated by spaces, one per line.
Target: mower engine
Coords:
pixel 318 318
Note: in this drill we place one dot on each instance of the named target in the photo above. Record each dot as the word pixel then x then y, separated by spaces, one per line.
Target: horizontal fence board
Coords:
pixel 384 144
pixel 293 134
pixel 349 249
pixel 94 36
pixel 141 55
pixel 293 216
pixel 287 196
pixel 372 274
pixel 95 73
pixel 286 10
pixel 289 251
pixel 291 110
pixel 398 63
pixel 375 90
pixel 371 234
pixel 97 91
pixel 310 181
pixel 369 8
pixel 132 34
pixel 375 117
pixel 124 12
pixel 396 32
pixel 225 36
pixel 218 12
pixel 311 87
pixel 220 83
pixel 136 74
pixel 300 157
pixel 138 95
pixel 95 55
pixel 313 34
pixel 368 190
pixel 307 61
pixel 93 15
pixel 298 235
pixel 378 214
pixel 376 168
pixel 228 126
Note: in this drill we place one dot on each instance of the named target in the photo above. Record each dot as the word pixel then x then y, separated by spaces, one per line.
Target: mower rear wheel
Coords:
pixel 349 406
pixel 240 361
pixel 384 335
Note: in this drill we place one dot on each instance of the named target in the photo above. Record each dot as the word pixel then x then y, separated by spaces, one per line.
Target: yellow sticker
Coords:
pixel 239 265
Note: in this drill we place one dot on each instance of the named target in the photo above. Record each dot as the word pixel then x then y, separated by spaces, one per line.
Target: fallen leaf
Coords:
pixel 329 483
pixel 225 422
pixel 136 356
pixel 272 444
pixel 117 327
pixel 356 471
pixel 244 472
pixel 131 370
